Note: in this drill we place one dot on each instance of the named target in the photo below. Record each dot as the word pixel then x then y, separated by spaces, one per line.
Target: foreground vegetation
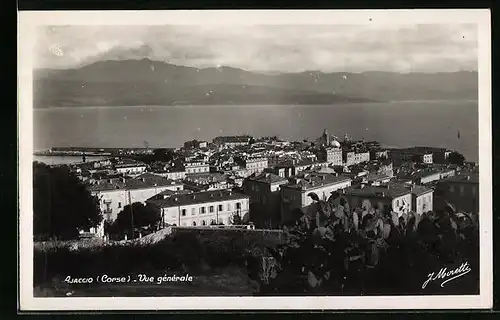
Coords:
pixel 372 251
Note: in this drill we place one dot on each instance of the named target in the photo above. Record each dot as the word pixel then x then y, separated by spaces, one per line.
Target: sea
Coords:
pixel 448 124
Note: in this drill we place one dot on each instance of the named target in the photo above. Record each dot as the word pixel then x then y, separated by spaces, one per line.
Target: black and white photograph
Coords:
pixel 272 160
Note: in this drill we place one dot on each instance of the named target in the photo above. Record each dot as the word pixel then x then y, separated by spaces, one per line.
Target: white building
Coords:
pixel 422 199
pixel 255 165
pixel 295 194
pixel 130 168
pixel 115 194
pixel 397 196
pixel 332 156
pixel 196 167
pixel 203 208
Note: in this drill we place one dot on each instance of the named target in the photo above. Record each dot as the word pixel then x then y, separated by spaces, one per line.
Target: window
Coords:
pixel 238 205
pixel 183 212
pixel 474 190
pixel 220 207
pixel 193 211
pixel 119 204
pixel 462 190
pixel 203 210
pixel 203 223
pixel 452 189
pixel 194 223
pixel 178 188
pixel 211 210
pixel 228 207
pixel 397 203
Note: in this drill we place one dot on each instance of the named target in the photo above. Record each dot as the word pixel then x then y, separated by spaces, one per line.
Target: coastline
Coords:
pixel 347 103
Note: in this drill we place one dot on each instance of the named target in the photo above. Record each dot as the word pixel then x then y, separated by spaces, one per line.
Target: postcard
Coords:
pixel 255 160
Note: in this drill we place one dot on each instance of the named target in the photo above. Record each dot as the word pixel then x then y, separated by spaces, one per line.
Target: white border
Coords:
pixel 28 21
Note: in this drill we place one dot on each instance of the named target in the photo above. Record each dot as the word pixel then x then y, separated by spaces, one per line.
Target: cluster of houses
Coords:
pixel 269 181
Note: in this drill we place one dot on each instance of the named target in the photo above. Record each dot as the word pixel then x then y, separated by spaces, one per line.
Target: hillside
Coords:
pixel 145 82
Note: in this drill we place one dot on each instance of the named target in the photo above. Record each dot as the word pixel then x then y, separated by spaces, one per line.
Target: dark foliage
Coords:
pixel 136 215
pixel 61 203
pixel 456 158
pixel 373 252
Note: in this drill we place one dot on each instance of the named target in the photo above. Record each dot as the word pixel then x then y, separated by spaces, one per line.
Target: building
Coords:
pixel 294 167
pixel 196 167
pixel 360 157
pixel 350 157
pixel 422 199
pixel 195 144
pixel 130 168
pixel 264 192
pixel 232 141
pixel 447 172
pixel 332 156
pixel 205 182
pixel 376 179
pixel 174 173
pixel 427 176
pixel 203 208
pixel 396 196
pixel 379 154
pixel 461 190
pixel 115 194
pixel 253 165
pixel 295 194
pixel 414 154
pixel 441 155
pixel 423 176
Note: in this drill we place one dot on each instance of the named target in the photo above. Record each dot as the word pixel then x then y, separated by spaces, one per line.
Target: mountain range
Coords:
pixel 146 82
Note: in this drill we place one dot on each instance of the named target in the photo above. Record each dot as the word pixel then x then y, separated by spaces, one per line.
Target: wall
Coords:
pixel 294 199
pixel 464 196
pixel 116 200
pixel 357 201
pixel 428 158
pixel 173 215
pixel 131 170
pixel 253 236
pixel 193 169
pixel 423 203
pixel 397 203
pixel 430 178
pixel 323 192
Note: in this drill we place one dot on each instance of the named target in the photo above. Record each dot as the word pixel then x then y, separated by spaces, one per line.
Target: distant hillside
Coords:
pixel 145 82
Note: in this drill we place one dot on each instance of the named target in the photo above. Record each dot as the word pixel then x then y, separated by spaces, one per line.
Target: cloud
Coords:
pixel 428 48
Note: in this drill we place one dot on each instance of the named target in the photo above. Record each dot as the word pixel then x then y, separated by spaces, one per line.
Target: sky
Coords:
pixel 265 48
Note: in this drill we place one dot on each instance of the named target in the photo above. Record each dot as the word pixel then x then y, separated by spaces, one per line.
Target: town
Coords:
pixel 267 183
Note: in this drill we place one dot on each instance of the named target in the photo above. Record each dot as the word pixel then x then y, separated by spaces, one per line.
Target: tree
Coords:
pixel 62 205
pixel 236 219
pixel 137 215
pixel 456 158
pixel 251 141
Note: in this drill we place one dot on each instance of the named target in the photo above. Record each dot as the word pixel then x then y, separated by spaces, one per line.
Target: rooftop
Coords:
pixel 315 180
pixel 267 177
pixel 206 177
pixel 198 197
pixel 464 177
pixel 419 190
pixel 143 181
pixel 390 190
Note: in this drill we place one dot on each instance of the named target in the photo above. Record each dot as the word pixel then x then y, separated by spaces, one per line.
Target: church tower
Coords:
pixel 326 137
